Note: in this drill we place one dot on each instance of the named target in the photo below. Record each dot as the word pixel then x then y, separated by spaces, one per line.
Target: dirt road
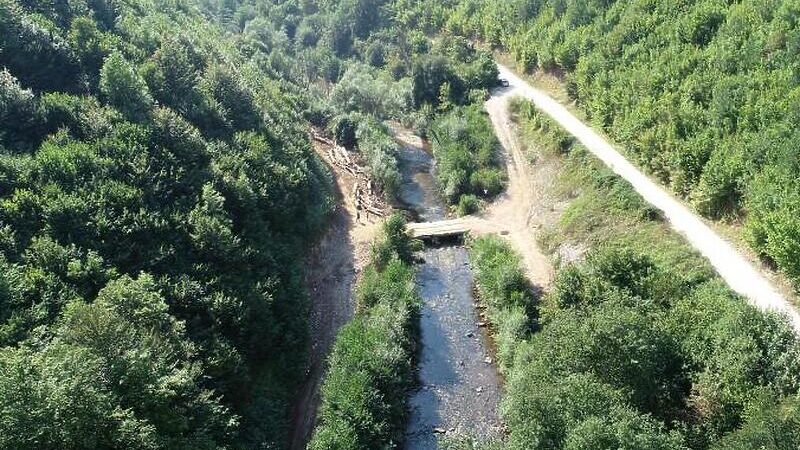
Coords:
pixel 514 214
pixel 741 274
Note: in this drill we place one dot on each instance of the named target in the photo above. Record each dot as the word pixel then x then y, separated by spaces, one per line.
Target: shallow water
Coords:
pixel 458 383
pixel 418 188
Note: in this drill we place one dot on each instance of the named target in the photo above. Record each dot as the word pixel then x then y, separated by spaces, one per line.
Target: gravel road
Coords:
pixel 741 274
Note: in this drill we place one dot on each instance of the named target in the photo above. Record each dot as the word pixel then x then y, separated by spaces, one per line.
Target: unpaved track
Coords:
pixel 514 213
pixel 740 273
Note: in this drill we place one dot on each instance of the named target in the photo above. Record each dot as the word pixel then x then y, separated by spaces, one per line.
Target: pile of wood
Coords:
pixel 366 196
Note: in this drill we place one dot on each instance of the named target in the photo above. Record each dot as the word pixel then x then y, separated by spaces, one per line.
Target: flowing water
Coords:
pixel 459 389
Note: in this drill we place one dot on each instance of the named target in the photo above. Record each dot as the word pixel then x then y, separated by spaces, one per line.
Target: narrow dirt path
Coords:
pixel 514 212
pixel 740 273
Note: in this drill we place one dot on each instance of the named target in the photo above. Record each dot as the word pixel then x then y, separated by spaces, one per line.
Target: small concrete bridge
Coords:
pixel 440 229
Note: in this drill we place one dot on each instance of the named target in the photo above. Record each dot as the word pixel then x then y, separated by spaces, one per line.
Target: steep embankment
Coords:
pixel 738 272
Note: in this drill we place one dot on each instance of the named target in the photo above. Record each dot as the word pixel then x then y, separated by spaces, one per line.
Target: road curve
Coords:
pixel 740 274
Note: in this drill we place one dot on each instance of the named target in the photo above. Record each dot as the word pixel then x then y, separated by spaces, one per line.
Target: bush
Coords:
pixel 577 412
pixel 377 145
pixel 344 131
pixel 488 182
pixel 468 204
pixel 465 148
pixel 123 88
pixel 552 137
pixel 365 90
pixel 770 425
pixel 689 331
pixel 504 289
pixel 19 114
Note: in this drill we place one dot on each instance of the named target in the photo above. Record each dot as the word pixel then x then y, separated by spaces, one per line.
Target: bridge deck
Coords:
pixel 442 228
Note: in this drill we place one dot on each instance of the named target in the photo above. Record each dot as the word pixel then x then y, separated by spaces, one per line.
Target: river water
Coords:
pixel 459 389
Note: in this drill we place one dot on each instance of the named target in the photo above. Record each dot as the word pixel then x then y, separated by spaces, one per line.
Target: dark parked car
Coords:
pixel 503 82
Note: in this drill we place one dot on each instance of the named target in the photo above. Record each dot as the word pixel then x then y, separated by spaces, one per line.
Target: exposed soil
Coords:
pixel 332 269
pixel 518 214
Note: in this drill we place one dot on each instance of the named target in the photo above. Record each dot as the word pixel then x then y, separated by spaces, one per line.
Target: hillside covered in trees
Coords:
pixel 157 187
pixel 157 194
pixel 703 94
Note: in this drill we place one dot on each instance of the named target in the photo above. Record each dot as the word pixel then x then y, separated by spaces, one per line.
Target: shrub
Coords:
pixel 377 145
pixel 344 131
pixel 465 148
pixel 123 88
pixel 552 137
pixel 365 90
pixel 468 204
pixel 19 114
pixel 773 227
pixel 504 289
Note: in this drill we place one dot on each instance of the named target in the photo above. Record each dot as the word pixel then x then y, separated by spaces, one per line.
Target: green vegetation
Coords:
pixel 466 152
pixel 639 345
pixel 157 191
pixel 631 354
pixel 371 91
pixel 468 204
pixel 380 71
pixel 370 373
pixel 701 94
pixel 552 138
pixel 506 293
pixel 376 145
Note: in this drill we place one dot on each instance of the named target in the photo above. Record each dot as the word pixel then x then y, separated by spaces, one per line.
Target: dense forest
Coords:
pixel 157 187
pixel 638 344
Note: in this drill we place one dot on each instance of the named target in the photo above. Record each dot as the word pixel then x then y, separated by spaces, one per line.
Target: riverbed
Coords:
pixel 459 389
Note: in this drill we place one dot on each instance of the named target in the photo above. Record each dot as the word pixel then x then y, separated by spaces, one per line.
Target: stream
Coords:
pixel 458 388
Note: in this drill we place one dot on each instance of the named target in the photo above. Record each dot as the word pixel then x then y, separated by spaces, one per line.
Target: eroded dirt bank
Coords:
pixel 332 269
